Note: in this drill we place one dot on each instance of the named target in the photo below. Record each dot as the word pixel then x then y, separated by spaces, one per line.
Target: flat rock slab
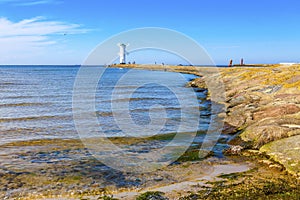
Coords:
pixel 287 152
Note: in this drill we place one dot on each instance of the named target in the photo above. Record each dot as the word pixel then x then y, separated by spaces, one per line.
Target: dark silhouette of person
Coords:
pixel 230 63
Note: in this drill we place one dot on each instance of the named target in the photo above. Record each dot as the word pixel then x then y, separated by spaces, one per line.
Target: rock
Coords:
pixel 261 135
pixel 255 97
pixel 270 129
pixel 254 152
pixel 251 152
pixel 291 98
pixel 250 107
pixel 271 89
pixel 276 167
pixel 233 150
pixel 138 180
pixel 152 195
pixel 197 83
pixel 236 118
pixel 266 162
pixel 229 129
pixel 238 100
pixel 286 152
pixel 158 179
pixel 275 111
pixel 294 79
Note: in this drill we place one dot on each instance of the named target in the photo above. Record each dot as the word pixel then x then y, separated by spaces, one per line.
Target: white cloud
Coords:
pixel 30 2
pixel 37 26
pixel 28 38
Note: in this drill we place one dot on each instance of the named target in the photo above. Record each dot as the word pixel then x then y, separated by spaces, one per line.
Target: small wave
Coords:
pixel 56 96
pixel 137 110
pixel 4 84
pixel 8 83
pixel 24 104
pixel 133 99
pixel 142 110
pixel 32 118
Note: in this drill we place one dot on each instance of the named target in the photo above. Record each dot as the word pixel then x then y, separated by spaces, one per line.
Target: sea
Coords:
pixel 36 102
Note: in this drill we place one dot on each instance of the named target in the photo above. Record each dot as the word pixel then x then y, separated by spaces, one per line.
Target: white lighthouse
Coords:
pixel 122 53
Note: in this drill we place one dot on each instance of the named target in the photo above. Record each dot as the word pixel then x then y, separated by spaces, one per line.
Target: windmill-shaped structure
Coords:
pixel 123 52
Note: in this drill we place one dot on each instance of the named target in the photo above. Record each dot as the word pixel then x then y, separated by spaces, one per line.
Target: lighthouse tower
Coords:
pixel 122 53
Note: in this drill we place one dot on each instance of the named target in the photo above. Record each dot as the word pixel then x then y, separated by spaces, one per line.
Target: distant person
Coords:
pixel 230 63
pixel 133 62
pixel 242 61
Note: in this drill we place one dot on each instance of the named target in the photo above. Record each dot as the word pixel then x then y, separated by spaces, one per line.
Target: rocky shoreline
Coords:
pixel 263 107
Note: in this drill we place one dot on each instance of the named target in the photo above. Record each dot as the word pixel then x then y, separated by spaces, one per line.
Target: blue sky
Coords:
pixel 66 31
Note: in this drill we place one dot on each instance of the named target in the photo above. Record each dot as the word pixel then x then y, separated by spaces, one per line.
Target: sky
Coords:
pixel 66 31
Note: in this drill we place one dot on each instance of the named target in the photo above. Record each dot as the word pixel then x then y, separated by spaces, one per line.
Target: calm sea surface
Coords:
pixel 36 101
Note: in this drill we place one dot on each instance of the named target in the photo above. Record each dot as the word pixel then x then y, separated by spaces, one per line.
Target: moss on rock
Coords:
pixel 285 151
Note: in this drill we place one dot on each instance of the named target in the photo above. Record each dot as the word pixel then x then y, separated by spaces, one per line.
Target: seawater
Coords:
pixel 36 101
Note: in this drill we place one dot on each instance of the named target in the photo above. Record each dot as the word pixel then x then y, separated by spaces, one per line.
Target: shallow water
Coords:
pixel 36 101
pixel 40 146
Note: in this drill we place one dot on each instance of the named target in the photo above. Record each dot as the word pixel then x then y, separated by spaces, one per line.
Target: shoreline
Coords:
pixel 249 108
pixel 72 174
pixel 80 176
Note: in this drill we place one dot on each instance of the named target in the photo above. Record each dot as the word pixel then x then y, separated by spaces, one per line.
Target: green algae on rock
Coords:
pixel 286 152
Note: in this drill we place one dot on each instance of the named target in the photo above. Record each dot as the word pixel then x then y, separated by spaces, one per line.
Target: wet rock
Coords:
pixel 158 179
pixel 138 180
